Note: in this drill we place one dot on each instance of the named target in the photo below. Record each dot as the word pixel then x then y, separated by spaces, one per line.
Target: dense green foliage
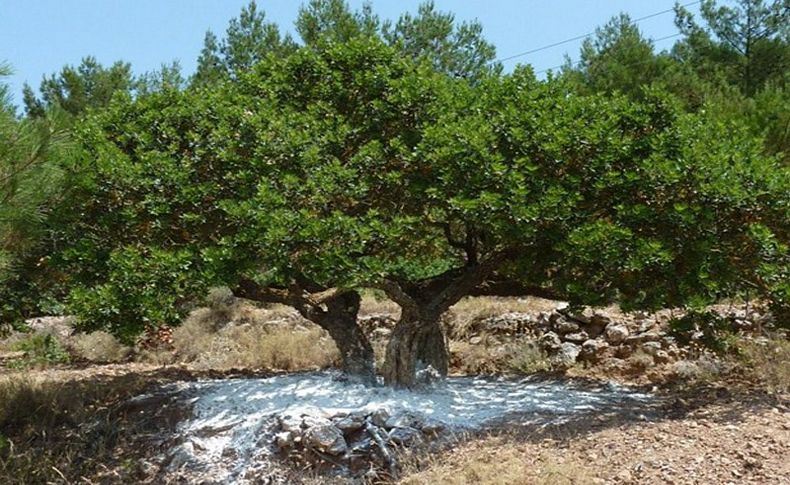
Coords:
pixel 373 154
pixel 35 166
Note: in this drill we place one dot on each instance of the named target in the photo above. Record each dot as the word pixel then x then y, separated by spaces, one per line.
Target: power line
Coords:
pixel 631 64
pixel 579 37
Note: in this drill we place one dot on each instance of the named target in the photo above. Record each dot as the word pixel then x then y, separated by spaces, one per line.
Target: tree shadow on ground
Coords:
pixel 720 404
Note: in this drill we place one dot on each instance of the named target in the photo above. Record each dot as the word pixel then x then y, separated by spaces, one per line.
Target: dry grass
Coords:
pixel 469 359
pixel 529 358
pixel 54 431
pixel 375 303
pixel 495 461
pixel 471 309
pixel 98 347
pixel 640 361
pixel 270 338
pixel 522 356
pixel 767 362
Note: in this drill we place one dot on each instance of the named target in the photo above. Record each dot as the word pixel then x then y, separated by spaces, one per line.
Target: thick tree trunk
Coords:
pixel 416 343
pixel 340 320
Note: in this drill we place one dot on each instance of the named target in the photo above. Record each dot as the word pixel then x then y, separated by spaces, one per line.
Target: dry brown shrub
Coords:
pixel 767 362
pixel 261 338
pixel 98 347
pixel 529 358
pixel 640 361
pixel 482 358
pixel 522 356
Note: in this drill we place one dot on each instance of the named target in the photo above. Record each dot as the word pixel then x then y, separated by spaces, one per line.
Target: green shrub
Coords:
pixel 41 350
pixel 706 329
pixel 144 287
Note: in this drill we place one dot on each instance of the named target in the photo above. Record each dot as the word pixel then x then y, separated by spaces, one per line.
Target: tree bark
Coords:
pixel 416 343
pixel 340 321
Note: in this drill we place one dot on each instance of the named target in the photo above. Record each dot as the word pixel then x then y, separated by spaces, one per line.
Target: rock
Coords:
pixel 597 325
pixel 379 417
pixel 640 315
pixel 581 315
pixel 651 348
pixel 432 426
pixel 182 455
pixel 577 337
pixel 403 420
pixel 312 421
pixel 404 435
pixel 544 320
pixel 563 326
pixel 550 341
pixel 566 356
pixel 643 337
pixel 616 333
pixel 284 439
pixel 427 376
pixel 326 438
pixel 380 333
pixel 512 323
pixel 290 423
pixel 667 341
pixel 56 326
pixel 351 423
pixel 376 320
pixel 661 357
pixel 476 340
pixel 591 349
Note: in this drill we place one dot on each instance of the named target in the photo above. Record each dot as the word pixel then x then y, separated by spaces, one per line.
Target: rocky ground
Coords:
pixel 710 421
pixel 719 439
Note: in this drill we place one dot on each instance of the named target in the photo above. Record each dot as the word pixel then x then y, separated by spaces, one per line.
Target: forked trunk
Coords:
pixel 415 343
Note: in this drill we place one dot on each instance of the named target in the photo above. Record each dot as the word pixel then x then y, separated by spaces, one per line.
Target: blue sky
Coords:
pixel 38 37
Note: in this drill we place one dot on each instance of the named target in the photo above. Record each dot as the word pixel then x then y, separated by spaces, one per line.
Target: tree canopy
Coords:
pixel 398 156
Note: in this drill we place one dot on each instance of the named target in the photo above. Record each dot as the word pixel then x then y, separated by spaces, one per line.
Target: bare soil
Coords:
pixel 706 436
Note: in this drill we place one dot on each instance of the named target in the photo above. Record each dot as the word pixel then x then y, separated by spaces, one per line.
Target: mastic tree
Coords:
pixel 590 199
pixel 349 166
pixel 244 184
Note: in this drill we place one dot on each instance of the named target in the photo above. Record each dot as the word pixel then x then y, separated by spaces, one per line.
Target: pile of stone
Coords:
pixel 509 325
pixel 57 326
pixel 354 443
pixel 591 336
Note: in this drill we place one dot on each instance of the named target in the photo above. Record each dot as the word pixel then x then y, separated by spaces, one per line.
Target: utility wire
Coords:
pixel 629 65
pixel 579 37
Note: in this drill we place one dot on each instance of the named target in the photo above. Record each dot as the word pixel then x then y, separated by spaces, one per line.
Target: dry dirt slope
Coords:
pixel 712 438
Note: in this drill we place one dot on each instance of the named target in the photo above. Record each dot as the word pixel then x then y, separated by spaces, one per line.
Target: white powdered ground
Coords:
pixel 232 422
